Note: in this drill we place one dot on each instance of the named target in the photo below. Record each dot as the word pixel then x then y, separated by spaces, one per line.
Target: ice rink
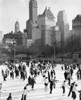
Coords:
pixel 15 86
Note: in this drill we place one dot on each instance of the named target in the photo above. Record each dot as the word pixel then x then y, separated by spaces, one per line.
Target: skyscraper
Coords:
pixel 63 26
pixel 33 31
pixel 33 10
pixel 17 27
pixel 40 28
pixel 76 26
pixel 46 22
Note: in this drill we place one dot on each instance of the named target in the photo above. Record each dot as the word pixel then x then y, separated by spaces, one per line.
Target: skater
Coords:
pixel 29 80
pixel 69 78
pixel 51 81
pixel 24 93
pixel 63 87
pixel 71 71
pixel 4 75
pixel 71 88
pixel 9 97
pixel 0 89
pixel 79 95
pixel 0 86
pixel 78 74
pixel 55 81
pixel 74 92
pixel 46 83
pixel 22 97
pixel 65 75
pixel 62 67
pixel 32 81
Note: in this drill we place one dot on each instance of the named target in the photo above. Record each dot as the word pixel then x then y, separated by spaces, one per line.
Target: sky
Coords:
pixel 18 10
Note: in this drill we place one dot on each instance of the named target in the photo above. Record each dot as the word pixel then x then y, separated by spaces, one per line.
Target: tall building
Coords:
pixel 17 27
pixel 63 26
pixel 76 26
pixel 40 28
pixel 33 31
pixel 33 10
pixel 46 23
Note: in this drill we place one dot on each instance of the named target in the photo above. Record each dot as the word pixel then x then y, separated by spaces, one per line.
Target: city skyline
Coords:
pixel 13 10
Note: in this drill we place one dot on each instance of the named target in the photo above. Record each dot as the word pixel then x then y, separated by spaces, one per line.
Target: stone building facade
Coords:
pixel 76 26
pixel 46 23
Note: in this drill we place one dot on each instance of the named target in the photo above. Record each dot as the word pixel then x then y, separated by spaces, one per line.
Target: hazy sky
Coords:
pixel 13 10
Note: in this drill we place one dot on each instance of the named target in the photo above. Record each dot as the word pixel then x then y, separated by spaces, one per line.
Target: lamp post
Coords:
pixel 54 49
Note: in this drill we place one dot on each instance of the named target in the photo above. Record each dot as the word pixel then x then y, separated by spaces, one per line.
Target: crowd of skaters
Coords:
pixel 14 71
pixel 47 70
pixel 68 75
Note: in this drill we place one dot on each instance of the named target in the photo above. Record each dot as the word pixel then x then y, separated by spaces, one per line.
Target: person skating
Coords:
pixel 65 75
pixel 0 89
pixel 51 81
pixel 24 93
pixel 9 97
pixel 31 81
pixel 55 81
pixel 21 97
pixel 79 95
pixel 71 88
pixel 46 83
pixel 74 91
pixel 69 78
pixel 71 71
pixel 63 87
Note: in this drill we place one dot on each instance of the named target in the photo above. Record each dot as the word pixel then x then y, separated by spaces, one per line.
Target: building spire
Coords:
pixel 17 27
pixel 33 10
